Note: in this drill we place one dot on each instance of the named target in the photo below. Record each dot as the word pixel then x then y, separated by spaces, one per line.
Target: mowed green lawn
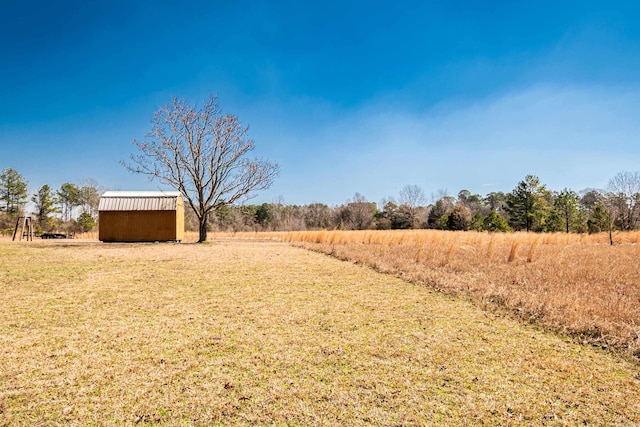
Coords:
pixel 261 333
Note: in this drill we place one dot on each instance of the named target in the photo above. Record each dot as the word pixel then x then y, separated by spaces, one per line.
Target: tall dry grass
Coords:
pixel 577 284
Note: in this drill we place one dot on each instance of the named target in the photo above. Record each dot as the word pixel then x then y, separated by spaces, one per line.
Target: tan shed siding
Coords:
pixel 139 226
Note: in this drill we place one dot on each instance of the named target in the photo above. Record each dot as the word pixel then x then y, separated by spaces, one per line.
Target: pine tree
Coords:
pixel 528 205
pixel 13 190
pixel 45 204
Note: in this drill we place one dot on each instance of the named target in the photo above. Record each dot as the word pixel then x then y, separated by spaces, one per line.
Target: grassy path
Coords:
pixel 262 333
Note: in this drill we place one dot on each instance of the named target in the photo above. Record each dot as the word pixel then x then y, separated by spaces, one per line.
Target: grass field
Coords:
pixel 576 284
pixel 240 332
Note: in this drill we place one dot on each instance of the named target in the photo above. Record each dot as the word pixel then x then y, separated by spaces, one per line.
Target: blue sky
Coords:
pixel 350 96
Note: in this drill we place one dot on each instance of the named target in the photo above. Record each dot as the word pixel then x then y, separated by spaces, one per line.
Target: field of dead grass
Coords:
pixel 577 284
pixel 237 332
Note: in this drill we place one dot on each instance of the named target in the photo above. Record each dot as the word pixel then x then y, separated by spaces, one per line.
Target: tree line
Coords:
pixel 530 206
pixel 72 208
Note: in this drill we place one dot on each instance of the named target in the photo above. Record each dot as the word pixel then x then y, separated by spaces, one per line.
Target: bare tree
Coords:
pixel 317 216
pixel 413 198
pixel 202 153
pixel 90 196
pixel 624 196
pixel 358 214
pixel 412 195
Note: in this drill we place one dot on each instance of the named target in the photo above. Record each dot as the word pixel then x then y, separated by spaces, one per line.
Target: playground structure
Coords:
pixel 25 225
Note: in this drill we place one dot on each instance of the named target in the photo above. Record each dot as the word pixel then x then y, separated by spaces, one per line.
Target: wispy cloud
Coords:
pixel 572 136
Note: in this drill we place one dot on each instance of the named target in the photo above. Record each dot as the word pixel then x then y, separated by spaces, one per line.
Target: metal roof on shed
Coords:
pixel 139 201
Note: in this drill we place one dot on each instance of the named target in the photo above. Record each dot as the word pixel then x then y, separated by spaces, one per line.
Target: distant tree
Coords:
pixel 602 218
pixel 247 218
pixel 89 196
pixel 317 216
pixel 382 221
pixel 13 191
pixel 405 217
pixel 384 215
pixel 551 220
pixel 475 203
pixel 396 217
pixel 86 222
pixel 202 153
pixel 528 204
pixel 263 215
pixel 579 224
pixel 464 196
pixel 477 222
pixel 459 218
pixel 599 218
pixel 589 200
pixel 497 201
pixel 496 222
pixel 69 197
pixel 622 216
pixel 358 214
pixel 286 217
pixel 566 202
pixel 439 211
pixel 624 195
pixel 45 204
pixel 190 220
pixel 412 198
pixel 222 218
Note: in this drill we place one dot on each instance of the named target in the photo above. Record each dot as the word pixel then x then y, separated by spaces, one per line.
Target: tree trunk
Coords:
pixel 611 234
pixel 202 228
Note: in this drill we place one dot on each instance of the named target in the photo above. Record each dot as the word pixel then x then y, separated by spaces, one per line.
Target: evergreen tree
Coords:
pixel 477 222
pixel 600 218
pixel 384 218
pixel 528 205
pixel 566 203
pixel 263 215
pixel 439 213
pixel 496 222
pixel 86 222
pixel 13 191
pixel 497 201
pixel 45 204
pixel 69 197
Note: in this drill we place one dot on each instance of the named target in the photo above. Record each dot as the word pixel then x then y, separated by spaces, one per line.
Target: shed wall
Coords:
pixel 141 226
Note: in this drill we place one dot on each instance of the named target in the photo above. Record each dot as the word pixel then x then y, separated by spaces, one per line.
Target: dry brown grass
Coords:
pixel 263 333
pixel 577 284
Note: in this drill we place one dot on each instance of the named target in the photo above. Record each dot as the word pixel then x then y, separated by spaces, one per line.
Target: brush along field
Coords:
pixel 240 332
pixel 575 284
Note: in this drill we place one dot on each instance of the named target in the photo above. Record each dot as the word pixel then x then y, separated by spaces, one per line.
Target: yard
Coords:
pixel 247 332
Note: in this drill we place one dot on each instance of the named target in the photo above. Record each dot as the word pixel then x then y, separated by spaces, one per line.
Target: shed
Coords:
pixel 141 216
